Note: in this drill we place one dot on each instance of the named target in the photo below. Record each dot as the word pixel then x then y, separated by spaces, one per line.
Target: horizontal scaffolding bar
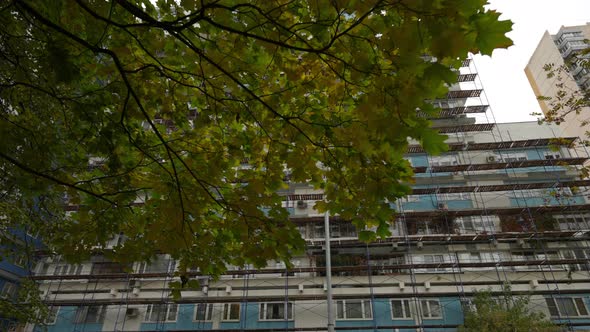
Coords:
pixel 410 215
pixel 466 128
pixel 404 266
pixel 466 77
pixel 472 146
pixel 450 112
pixel 500 187
pixel 501 165
pixel 461 94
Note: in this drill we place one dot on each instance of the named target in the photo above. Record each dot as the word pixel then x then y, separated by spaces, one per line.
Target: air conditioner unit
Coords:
pixel 491 159
pixel 442 206
pixel 301 204
pixel 132 312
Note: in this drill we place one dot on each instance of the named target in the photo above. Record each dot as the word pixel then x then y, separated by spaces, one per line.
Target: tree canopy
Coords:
pixel 504 313
pixel 176 122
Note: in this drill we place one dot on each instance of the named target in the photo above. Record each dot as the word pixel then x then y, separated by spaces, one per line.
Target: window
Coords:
pixel 474 257
pixel 412 198
pixel 231 311
pixel 400 309
pixel 90 314
pixel 433 259
pixel 354 309
pixel 276 311
pixel 52 315
pixel 453 196
pixel 337 230
pixel 551 155
pixel 573 222
pixel 430 309
pixel 162 264
pixel 203 311
pixel 476 224
pixel 567 306
pixel 20 260
pixel 514 156
pixel 8 290
pixel 577 254
pixel 444 160
pixel 108 268
pixel 67 269
pixel 161 312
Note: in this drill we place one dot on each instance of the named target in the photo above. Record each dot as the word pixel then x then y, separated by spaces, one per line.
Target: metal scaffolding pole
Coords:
pixel 331 321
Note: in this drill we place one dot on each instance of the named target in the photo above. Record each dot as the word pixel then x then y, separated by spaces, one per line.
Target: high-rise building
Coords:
pixel 503 206
pixel 562 49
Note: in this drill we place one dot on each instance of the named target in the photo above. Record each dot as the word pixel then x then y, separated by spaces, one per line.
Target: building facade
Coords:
pixel 16 262
pixel 503 206
pixel 561 49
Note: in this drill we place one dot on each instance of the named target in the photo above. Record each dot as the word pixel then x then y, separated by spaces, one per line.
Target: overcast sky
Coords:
pixel 507 89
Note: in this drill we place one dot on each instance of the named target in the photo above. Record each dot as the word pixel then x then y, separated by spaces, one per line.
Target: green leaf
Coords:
pixel 491 32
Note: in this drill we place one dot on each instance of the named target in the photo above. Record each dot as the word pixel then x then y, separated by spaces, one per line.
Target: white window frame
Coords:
pixel 434 269
pixel 263 311
pixel 364 310
pixel 20 260
pixel 170 307
pixel 208 312
pixel 428 313
pixel 226 312
pixel 475 257
pixel 573 221
pixel 52 316
pixel 445 160
pixel 143 266
pixel 406 309
pixel 576 301
pixel 67 269
pixel 9 289
pixel 412 198
pixel 514 156
pixel 81 315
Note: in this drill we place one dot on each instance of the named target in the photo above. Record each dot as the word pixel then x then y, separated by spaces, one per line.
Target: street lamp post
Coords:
pixel 328 272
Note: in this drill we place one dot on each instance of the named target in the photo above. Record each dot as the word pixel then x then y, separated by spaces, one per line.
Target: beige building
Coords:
pixel 560 49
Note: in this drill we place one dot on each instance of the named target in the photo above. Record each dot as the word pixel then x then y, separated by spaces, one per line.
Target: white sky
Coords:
pixel 506 86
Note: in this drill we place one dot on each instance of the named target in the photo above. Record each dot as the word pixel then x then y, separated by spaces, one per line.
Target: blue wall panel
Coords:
pixel 65 323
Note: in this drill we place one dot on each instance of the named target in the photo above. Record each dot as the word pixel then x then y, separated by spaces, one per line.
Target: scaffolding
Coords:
pixel 436 258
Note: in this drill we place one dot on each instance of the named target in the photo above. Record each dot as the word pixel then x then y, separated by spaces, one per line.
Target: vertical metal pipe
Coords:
pixel 331 320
